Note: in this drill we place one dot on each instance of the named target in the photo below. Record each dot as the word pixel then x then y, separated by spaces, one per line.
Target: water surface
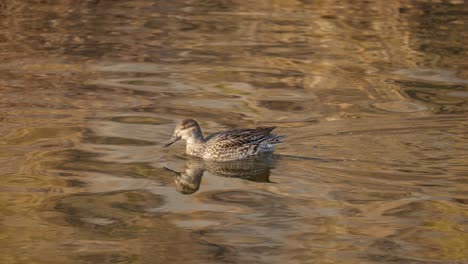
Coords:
pixel 372 95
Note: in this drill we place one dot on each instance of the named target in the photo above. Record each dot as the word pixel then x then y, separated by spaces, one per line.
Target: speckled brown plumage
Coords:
pixel 232 144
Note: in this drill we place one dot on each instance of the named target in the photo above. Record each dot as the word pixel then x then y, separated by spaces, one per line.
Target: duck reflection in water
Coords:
pixel 255 169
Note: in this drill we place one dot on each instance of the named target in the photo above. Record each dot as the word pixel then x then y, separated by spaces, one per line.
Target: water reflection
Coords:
pixel 256 169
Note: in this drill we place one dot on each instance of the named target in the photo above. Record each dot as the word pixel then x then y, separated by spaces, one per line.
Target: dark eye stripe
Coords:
pixel 188 123
pixel 187 126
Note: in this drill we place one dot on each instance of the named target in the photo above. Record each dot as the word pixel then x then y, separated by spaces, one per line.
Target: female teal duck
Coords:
pixel 235 144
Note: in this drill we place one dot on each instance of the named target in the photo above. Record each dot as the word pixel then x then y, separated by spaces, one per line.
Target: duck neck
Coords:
pixel 195 144
pixel 195 140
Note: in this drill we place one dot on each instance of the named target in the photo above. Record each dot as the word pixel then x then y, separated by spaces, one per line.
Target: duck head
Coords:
pixel 187 129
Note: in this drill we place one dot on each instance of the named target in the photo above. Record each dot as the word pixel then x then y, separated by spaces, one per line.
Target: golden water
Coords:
pixel 372 95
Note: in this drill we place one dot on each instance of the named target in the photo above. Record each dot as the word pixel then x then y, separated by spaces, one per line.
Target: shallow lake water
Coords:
pixel 372 95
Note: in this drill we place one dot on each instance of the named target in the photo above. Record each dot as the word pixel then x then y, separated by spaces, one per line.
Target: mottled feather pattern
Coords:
pixel 229 145
pixel 240 143
pixel 237 137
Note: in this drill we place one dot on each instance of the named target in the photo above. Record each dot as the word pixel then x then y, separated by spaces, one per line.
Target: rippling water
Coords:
pixel 372 95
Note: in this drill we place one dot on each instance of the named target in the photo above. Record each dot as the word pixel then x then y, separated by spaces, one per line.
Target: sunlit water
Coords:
pixel 372 95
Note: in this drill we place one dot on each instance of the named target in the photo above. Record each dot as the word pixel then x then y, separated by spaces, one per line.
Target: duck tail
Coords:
pixel 275 139
pixel 280 137
pixel 264 129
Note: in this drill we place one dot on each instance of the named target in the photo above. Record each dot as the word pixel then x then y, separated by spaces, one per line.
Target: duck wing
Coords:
pixel 236 138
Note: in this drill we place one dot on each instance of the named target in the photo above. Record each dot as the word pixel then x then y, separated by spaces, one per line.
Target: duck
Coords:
pixel 234 144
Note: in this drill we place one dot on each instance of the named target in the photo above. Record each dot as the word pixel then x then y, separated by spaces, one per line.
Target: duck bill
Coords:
pixel 171 141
